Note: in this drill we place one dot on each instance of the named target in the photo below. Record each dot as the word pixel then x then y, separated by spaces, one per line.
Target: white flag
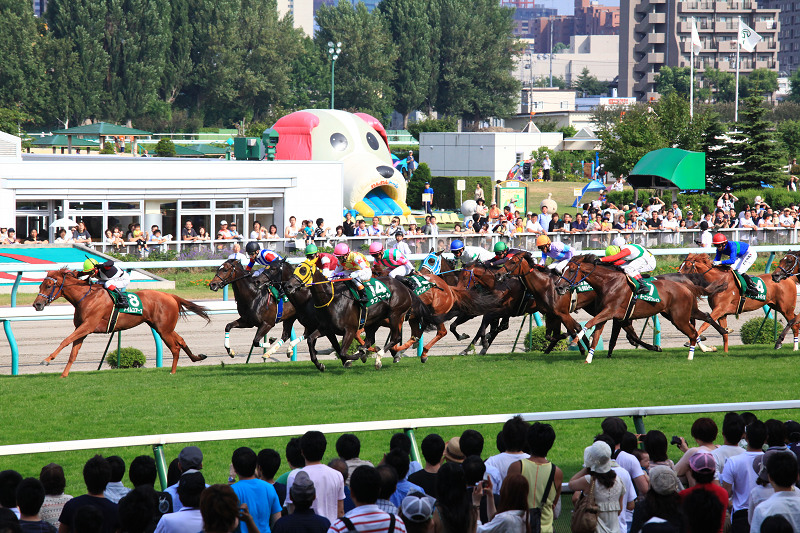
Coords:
pixel 697 44
pixel 748 39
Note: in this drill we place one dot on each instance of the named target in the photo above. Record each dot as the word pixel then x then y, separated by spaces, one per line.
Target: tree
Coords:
pixel 673 79
pixel 178 60
pixel 789 134
pixel 675 125
pixel 410 25
pixel 794 86
pixel 12 118
pixel 760 82
pixel 586 84
pixel 722 84
pixel 544 81
pixel 560 47
pixel 432 124
pixel 627 136
pixel 759 151
pixel 165 148
pixel 21 72
pixel 713 143
pixel 309 82
pixel 62 78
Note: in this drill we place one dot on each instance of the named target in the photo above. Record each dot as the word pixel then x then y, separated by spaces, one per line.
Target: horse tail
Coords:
pixel 186 305
pixel 474 303
pixel 709 290
pixel 427 318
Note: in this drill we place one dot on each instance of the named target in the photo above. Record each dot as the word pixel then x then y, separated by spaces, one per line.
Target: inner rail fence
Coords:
pixel 13 314
pixel 408 425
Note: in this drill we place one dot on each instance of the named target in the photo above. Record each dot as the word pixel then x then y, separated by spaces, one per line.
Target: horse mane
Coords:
pixel 591 258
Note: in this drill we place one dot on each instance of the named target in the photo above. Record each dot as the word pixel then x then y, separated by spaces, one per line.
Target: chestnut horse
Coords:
pixel 781 294
pixel 556 307
pixel 678 300
pixel 93 307
pixel 788 267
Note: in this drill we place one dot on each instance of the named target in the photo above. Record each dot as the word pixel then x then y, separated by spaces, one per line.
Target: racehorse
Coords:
pixel 781 293
pixel 788 267
pixel 678 300
pixel 440 300
pixel 338 313
pixel 94 306
pixel 257 308
pixel 540 281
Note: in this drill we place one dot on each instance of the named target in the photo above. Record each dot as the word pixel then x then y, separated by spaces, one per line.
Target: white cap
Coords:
pixel 221 222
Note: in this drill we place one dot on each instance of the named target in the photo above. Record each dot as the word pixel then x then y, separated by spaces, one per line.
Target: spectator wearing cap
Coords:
pixel 417 512
pixel 702 468
pixel 738 477
pixel 629 500
pixel 397 458
pixel 303 519
pixel 660 510
pixel 188 519
pixel 260 496
pixel 452 451
pixel 224 232
pixel 514 432
pixel 365 486
pixel 704 431
pixel 782 472
pixel 763 489
pixel 190 459
pixel 328 483
pixel 433 451
pixel 606 486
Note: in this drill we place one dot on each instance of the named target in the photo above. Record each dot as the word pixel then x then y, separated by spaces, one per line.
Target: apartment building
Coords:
pixel 656 33
pixel 789 35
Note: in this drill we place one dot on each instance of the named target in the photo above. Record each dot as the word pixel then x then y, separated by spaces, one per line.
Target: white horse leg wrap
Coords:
pixel 691 353
pixel 590 355
pixel 378 355
pixel 227 339
pixel 796 341
pixel 274 347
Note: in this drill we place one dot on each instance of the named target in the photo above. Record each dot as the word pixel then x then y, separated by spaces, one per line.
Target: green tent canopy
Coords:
pixel 670 168
pixel 61 140
pixel 103 129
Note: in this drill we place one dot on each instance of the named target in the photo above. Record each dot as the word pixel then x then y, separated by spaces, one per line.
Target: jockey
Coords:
pixel 353 265
pixel 501 252
pixel 740 257
pixel 469 254
pixel 558 251
pixel 114 279
pixel 393 260
pixel 262 257
pixel 634 260
pixel 326 262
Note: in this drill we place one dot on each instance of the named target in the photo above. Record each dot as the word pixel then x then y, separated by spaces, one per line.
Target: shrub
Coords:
pixel 766 336
pixel 108 148
pixel 446 195
pixel 535 341
pixel 432 124
pixel 776 198
pixel 165 148
pixel 128 358
pixel 415 186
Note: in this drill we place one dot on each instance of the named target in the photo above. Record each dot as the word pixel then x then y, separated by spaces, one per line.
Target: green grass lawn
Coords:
pixel 41 408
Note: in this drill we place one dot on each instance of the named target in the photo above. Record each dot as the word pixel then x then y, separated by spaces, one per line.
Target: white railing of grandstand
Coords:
pixel 422 244
pixel 382 425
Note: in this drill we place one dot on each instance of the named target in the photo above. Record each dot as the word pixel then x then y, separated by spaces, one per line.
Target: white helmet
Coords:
pixel 618 241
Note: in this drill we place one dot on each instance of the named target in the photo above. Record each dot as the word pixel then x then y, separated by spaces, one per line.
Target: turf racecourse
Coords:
pixel 111 403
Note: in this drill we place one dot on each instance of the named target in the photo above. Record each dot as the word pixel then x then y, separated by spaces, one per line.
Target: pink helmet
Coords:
pixel 376 247
pixel 341 249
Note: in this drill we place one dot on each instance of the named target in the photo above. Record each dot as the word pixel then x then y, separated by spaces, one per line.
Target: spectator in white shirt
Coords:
pixel 782 471
pixel 533 226
pixel 739 478
pixel 400 244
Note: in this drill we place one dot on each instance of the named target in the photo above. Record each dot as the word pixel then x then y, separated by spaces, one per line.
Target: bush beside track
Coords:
pixel 40 408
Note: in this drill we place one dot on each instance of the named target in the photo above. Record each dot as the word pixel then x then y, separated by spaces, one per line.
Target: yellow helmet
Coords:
pixel 542 240
pixel 89 264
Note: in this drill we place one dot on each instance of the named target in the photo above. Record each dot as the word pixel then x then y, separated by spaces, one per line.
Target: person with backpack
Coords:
pixel 601 485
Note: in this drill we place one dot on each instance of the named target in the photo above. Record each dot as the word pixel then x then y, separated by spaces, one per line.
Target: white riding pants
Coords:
pixel 646 263
pixel 559 266
pixel 402 270
pixel 361 276
pixel 742 264
pixel 120 281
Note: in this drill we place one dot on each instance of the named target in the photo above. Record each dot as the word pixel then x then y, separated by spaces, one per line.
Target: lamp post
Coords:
pixel 333 50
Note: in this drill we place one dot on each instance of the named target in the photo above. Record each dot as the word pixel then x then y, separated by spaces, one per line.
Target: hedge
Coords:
pixel 129 358
pixel 776 198
pixel 695 201
pixel 446 196
pixel 535 341
pixel 766 336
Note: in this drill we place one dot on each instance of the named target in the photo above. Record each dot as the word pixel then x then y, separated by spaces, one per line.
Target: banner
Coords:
pixel 748 39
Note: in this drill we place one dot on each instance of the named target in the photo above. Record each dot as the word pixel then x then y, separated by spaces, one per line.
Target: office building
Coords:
pixel 302 12
pixel 789 34
pixel 657 33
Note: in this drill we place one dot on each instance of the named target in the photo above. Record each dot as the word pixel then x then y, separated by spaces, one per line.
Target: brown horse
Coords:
pixel 556 307
pixel 93 307
pixel 781 294
pixel 678 300
pixel 788 267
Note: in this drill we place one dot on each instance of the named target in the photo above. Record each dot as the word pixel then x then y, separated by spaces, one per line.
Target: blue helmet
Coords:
pixel 456 245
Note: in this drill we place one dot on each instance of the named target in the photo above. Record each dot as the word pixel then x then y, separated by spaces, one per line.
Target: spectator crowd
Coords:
pixel 746 484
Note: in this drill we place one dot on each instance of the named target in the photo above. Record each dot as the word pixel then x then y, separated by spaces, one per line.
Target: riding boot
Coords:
pixel 642 289
pixel 122 299
pixel 752 290
pixel 405 281
pixel 362 296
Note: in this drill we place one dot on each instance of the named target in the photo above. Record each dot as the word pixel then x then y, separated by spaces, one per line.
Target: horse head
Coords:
pixel 433 263
pixel 695 264
pixel 228 272
pixel 574 273
pixel 516 265
pixel 789 266
pixel 51 288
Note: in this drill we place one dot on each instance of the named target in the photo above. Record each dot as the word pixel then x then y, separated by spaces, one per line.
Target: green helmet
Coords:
pixel 612 250
pixel 89 264
pixel 500 247
pixel 311 249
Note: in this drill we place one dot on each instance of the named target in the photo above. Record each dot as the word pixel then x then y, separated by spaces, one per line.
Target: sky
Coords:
pixel 567 7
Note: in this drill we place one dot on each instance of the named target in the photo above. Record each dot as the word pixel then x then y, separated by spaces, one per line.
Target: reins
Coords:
pixel 225 281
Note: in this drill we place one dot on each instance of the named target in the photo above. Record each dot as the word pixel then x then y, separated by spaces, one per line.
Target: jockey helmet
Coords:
pixel 311 249
pixel 612 250
pixel 376 247
pixel 90 265
pixel 619 241
pixel 718 239
pixel 500 247
pixel 542 240
pixel 252 247
pixel 341 249
pixel 456 245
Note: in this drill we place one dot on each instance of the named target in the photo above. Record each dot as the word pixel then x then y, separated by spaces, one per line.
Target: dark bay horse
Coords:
pixel 93 307
pixel 338 313
pixel 781 294
pixel 678 300
pixel 540 281
pixel 257 307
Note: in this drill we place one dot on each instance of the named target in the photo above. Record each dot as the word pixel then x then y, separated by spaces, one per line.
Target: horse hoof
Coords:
pixel 347 364
pixel 321 367
pixel 396 359
pixel 463 337
pixel 378 365
pixel 423 359
pixel 778 346
pixel 202 357
pixel 657 348
pixel 231 354
pixel 45 362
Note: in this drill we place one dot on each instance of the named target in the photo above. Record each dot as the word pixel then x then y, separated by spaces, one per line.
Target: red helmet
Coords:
pixel 719 238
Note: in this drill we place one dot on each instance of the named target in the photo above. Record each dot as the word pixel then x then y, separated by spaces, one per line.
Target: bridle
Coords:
pixel 55 291
pixel 572 282
pixel 693 264
pixel 793 270
pixel 228 272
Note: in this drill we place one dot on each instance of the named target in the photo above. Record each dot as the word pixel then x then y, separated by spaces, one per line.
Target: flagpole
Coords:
pixel 691 73
pixel 736 95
